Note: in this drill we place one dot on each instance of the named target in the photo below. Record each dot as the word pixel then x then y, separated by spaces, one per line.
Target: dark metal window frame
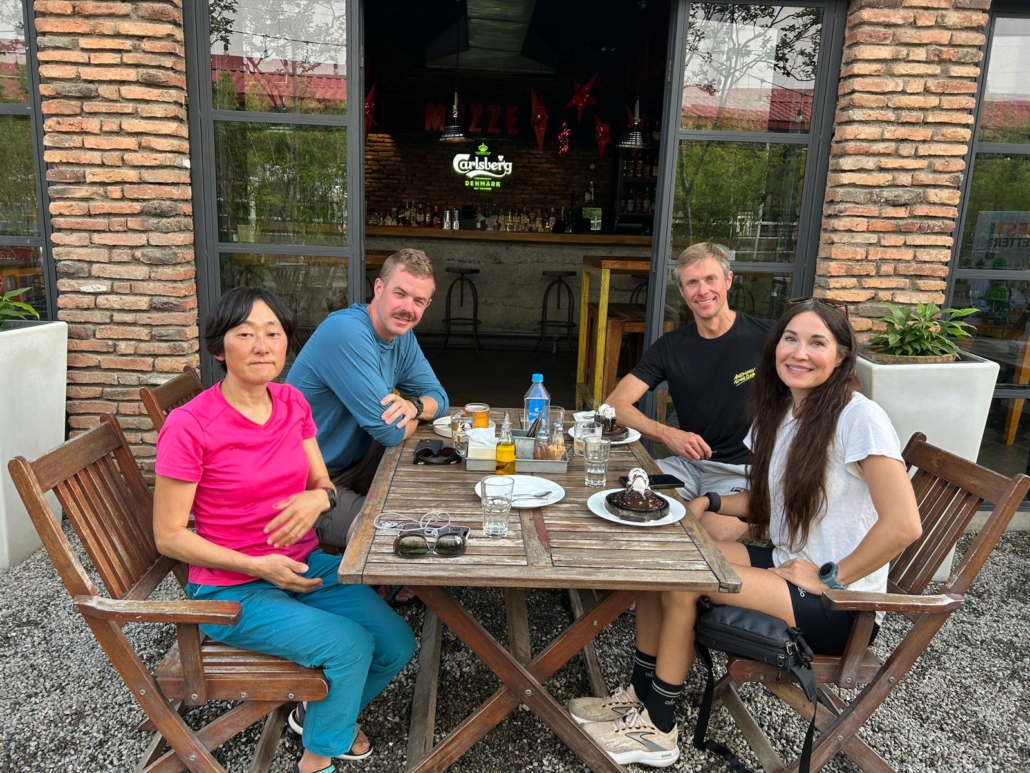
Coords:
pixel 42 242
pixel 202 119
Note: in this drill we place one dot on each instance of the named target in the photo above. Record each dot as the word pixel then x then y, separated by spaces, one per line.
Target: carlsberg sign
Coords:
pixel 479 171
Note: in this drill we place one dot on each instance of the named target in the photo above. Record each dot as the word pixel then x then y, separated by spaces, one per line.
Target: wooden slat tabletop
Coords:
pixel 563 545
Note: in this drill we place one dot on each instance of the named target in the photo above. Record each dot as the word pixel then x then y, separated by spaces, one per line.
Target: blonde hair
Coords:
pixel 700 251
pixel 415 262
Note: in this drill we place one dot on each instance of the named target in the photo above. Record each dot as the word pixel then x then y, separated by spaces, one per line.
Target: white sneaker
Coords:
pixel 633 738
pixel 607 709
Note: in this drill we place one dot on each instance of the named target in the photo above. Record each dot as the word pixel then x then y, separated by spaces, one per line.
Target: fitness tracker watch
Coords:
pixel 828 575
pixel 714 502
pixel 419 407
pixel 332 498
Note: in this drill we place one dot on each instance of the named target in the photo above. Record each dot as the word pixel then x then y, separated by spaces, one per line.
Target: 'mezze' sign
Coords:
pixel 490 114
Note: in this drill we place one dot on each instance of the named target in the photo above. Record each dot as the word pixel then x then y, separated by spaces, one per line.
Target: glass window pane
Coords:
pixel 13 73
pixel 281 184
pixel 1006 440
pixel 750 68
pixel 19 214
pixel 1002 324
pixel 745 195
pixel 21 267
pixel 996 234
pixel 287 57
pixel 311 286
pixel 1005 115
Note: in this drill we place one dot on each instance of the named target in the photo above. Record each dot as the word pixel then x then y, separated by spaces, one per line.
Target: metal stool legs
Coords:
pixel 563 293
pixel 460 284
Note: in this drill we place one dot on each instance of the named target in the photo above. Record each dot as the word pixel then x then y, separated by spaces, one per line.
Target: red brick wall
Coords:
pixel 903 125
pixel 117 153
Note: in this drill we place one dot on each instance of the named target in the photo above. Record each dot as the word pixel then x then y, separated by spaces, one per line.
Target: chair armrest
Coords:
pixel 863 601
pixel 189 612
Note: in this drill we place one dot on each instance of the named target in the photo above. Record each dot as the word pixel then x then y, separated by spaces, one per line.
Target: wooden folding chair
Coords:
pixel 161 399
pixel 101 490
pixel 949 491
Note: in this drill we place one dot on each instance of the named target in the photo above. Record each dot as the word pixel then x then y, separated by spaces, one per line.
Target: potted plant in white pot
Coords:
pixel 33 375
pixel 916 372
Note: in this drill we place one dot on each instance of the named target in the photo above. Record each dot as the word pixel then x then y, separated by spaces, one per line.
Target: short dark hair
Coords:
pixel 232 310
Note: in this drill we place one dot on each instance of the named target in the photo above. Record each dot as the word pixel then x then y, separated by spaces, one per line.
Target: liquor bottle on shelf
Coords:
pixel 437 222
pixel 456 221
pixel 447 220
pixel 646 202
pixel 420 217
pixel 551 221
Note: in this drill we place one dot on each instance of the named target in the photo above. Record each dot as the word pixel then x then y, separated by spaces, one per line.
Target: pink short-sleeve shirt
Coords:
pixel 242 470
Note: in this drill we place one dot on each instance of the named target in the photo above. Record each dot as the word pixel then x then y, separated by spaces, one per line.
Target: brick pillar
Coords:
pixel 903 125
pixel 117 153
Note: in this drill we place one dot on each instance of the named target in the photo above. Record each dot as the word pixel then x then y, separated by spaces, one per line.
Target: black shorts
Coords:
pixel 826 630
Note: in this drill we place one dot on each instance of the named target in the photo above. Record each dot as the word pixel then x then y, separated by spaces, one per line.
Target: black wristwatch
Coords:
pixel 332 498
pixel 828 575
pixel 714 502
pixel 417 402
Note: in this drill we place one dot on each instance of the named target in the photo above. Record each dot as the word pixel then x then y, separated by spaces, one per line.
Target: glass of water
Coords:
pixel 596 452
pixel 584 429
pixel 497 491
pixel 460 424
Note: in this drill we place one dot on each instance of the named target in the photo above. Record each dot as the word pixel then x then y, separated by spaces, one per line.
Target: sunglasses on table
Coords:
pixel 435 454
pixel 448 541
pixel 831 302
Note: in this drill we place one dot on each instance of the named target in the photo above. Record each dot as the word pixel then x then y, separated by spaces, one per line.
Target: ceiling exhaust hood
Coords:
pixel 495 36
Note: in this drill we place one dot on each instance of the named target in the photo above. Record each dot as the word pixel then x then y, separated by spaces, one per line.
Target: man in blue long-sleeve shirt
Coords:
pixel 348 372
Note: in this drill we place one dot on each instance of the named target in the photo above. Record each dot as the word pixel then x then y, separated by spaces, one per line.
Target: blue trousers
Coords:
pixel 346 630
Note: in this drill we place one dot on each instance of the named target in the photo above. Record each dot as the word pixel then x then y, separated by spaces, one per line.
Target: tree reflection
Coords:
pixel 18 215
pixel 14 76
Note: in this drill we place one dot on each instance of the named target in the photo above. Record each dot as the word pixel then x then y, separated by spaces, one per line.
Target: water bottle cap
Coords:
pixel 538 377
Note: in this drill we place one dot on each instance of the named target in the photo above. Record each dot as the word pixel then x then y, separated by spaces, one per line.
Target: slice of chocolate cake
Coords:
pixel 610 429
pixel 637 503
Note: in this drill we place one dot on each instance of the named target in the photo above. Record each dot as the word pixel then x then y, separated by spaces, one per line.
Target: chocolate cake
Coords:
pixel 636 503
pixel 610 429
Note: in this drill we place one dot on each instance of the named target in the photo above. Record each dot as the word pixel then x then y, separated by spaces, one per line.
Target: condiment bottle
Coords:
pixel 542 444
pixel 506 449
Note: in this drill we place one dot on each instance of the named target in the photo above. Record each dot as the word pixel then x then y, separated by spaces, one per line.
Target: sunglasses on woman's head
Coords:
pixel 449 542
pixel 831 302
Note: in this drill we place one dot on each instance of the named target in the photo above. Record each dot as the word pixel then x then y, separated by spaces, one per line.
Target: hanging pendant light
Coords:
pixel 452 131
pixel 634 138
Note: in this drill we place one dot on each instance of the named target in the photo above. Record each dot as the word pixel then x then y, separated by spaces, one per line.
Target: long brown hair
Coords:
pixel 804 483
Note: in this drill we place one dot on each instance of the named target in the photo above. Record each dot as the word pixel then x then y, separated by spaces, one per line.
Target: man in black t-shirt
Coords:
pixel 709 367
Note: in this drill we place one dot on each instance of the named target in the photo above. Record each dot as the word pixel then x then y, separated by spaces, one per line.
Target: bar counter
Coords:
pixel 510 282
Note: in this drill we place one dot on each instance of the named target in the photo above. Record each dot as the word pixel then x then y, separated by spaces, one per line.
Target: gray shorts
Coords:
pixel 352 486
pixel 703 476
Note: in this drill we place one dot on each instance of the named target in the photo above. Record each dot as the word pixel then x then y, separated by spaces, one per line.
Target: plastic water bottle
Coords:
pixel 537 400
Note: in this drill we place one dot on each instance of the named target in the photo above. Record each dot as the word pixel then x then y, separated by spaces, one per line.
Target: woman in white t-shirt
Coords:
pixel 826 479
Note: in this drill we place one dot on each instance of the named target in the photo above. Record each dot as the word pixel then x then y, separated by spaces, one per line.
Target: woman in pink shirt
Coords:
pixel 242 457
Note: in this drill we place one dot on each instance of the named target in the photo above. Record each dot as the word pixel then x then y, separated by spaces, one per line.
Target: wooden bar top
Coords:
pixel 600 239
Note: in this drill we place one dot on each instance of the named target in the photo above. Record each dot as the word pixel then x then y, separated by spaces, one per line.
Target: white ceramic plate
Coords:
pixel 583 415
pixel 442 426
pixel 526 486
pixel 596 505
pixel 633 435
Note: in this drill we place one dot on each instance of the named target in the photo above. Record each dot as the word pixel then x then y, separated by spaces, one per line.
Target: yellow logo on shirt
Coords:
pixel 743 377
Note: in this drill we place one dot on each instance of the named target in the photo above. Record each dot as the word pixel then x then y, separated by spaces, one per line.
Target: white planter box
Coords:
pixel 947 401
pixel 33 375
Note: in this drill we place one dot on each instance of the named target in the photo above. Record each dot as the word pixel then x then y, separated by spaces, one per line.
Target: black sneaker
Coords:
pixel 296 719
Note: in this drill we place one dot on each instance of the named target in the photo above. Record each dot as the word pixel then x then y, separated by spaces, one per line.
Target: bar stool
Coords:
pixel 639 293
pixel 563 293
pixel 371 273
pixel 624 320
pixel 461 284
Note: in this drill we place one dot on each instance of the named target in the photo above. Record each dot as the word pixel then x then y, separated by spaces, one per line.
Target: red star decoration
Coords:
pixel 370 110
pixel 582 97
pixel 563 139
pixel 539 119
pixel 602 135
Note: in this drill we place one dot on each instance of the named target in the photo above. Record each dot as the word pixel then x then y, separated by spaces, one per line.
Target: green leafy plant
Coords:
pixel 12 309
pixel 922 330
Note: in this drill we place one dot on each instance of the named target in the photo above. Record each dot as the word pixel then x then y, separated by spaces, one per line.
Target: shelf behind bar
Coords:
pixel 505 236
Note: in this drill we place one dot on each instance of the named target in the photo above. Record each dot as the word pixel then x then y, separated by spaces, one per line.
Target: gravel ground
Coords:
pixel 964 707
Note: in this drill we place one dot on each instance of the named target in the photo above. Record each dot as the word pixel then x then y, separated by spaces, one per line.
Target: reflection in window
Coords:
pixel 288 57
pixel 1002 323
pixel 280 184
pixel 750 68
pixel 745 195
pixel 18 210
pixel 996 234
pixel 1005 114
pixel 14 82
pixel 21 267
pixel 759 295
pixel 1006 444
pixel 312 287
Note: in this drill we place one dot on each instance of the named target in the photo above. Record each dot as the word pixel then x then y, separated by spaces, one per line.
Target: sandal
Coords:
pixel 394 602
pixel 330 769
pixel 296 722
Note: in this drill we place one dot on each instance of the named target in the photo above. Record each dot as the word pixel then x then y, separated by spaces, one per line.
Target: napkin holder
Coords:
pixel 482 451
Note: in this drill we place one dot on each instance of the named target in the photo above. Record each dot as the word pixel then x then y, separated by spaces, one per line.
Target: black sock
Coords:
pixel 643 673
pixel 661 703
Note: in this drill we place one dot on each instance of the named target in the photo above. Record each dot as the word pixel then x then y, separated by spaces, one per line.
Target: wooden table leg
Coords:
pixel 518 625
pixel 423 704
pixel 594 674
pixel 522 684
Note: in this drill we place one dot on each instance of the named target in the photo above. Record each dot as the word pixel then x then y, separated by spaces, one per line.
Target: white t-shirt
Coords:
pixel 863 430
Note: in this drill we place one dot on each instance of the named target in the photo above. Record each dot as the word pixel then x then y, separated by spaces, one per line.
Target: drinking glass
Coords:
pixel 584 430
pixel 556 413
pixel 596 452
pixel 497 491
pixel 480 413
pixel 461 422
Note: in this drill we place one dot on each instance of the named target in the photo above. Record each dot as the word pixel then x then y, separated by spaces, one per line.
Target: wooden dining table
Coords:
pixel 561 546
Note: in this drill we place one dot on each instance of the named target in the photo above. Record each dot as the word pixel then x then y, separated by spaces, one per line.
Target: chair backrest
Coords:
pixel 178 391
pixel 950 491
pixel 103 494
